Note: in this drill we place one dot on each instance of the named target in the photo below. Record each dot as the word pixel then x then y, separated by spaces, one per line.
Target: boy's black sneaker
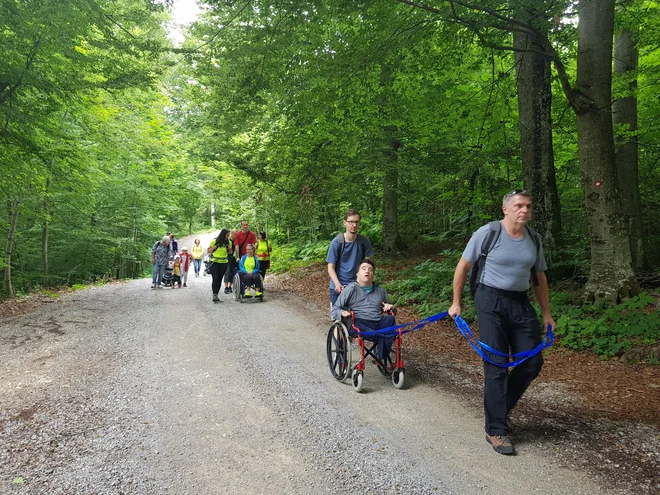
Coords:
pixel 501 444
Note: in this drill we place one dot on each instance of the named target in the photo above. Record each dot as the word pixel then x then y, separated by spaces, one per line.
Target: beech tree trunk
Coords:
pixel 12 209
pixel 535 122
pixel 624 115
pixel 44 231
pixel 611 277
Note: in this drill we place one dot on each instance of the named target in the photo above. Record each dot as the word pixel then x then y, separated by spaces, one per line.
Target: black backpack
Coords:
pixel 490 241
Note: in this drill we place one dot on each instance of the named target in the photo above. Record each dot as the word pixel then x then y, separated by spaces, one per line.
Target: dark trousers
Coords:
pixel 250 279
pixel 334 295
pixel 507 323
pixel 231 271
pixel 217 272
pixel 383 343
pixel 263 267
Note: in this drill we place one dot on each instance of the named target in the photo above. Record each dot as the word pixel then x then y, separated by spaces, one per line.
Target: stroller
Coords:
pixel 207 265
pixel 168 275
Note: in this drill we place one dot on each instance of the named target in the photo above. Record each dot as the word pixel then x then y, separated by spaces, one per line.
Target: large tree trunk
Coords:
pixel 624 114
pixel 611 278
pixel 12 209
pixel 535 121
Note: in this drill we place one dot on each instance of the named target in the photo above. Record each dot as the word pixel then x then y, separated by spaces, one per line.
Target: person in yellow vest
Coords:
pixel 218 257
pixel 263 253
pixel 248 268
pixel 197 253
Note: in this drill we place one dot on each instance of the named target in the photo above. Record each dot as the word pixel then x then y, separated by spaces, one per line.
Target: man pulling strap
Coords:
pixel 507 320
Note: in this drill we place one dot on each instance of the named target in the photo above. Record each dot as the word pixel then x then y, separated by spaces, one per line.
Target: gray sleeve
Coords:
pixel 343 301
pixel 386 297
pixel 540 265
pixel 472 251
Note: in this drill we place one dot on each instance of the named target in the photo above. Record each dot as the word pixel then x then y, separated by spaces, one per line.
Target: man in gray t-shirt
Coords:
pixel 507 320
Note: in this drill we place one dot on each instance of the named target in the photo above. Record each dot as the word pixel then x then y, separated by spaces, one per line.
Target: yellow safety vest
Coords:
pixel 220 255
pixel 263 252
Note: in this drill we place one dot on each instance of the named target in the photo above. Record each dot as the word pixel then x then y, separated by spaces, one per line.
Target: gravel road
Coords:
pixel 126 390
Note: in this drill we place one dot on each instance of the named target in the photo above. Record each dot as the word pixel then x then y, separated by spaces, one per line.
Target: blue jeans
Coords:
pixel 197 263
pixel 157 272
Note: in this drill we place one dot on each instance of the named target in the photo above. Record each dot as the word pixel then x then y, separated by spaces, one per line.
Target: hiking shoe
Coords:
pixel 501 444
pixel 153 286
pixel 216 298
pixel 258 294
pixel 185 285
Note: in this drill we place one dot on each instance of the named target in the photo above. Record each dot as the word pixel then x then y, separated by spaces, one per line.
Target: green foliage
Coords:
pixel 606 331
pixel 428 287
pixel 292 256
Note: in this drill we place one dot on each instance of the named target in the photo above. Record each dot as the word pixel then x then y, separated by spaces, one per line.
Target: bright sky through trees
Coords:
pixel 183 13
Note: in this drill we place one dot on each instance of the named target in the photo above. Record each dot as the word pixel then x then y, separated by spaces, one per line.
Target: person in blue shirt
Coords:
pixel 248 268
pixel 345 254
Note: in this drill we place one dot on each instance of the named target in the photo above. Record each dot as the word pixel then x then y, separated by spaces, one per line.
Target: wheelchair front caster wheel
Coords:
pixel 357 380
pixel 397 378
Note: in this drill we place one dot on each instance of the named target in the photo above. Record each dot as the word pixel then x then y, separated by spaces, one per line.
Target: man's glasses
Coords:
pixel 518 191
pixel 353 222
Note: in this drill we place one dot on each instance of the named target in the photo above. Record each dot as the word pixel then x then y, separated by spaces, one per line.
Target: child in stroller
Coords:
pixel 168 275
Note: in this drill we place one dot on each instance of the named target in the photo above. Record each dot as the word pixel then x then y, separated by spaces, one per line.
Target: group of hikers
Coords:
pixel 503 259
pixel 231 252
pixel 506 256
pixel 239 252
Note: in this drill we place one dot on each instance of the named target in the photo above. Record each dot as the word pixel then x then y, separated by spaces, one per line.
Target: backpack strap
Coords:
pixel 494 232
pixel 537 243
pixel 340 245
pixel 491 238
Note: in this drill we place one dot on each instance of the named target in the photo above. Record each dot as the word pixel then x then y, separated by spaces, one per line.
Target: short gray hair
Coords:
pixel 166 240
pixel 516 192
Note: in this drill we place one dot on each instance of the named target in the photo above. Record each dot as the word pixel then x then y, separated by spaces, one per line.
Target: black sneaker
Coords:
pixel 228 290
pixel 501 444
pixel 216 298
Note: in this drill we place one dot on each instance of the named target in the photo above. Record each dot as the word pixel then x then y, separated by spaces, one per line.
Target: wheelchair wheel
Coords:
pixel 357 380
pixel 338 350
pixel 236 288
pixel 397 378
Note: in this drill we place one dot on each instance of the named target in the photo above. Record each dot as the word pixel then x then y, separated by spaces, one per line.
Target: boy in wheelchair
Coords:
pixel 248 270
pixel 370 307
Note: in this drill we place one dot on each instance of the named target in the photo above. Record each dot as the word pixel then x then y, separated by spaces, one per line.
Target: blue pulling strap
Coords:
pixel 482 348
pixel 479 347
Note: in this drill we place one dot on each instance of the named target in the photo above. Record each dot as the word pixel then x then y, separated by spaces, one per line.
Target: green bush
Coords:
pixel 428 287
pixel 606 331
pixel 294 255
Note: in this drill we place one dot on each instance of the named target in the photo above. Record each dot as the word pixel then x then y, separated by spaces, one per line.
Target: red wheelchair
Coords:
pixel 342 336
